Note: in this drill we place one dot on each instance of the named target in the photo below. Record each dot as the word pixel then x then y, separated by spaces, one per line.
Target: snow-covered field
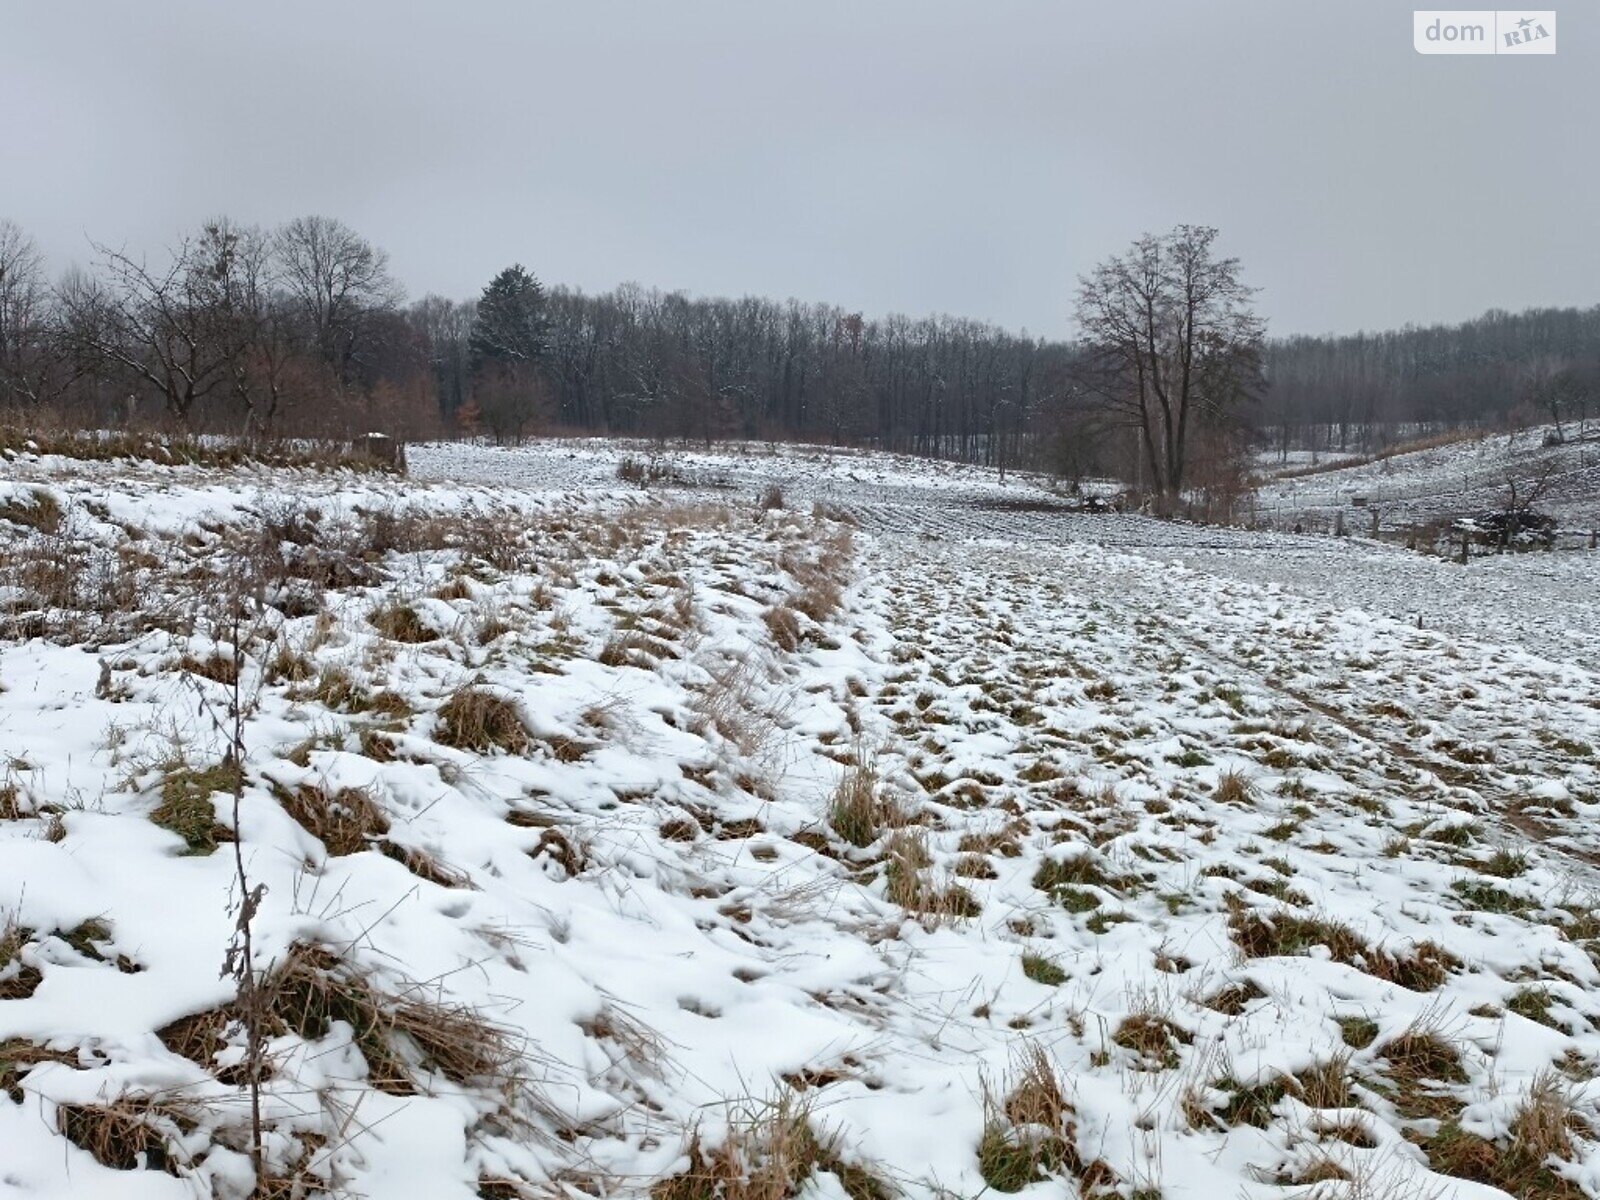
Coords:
pixel 1443 482
pixel 917 837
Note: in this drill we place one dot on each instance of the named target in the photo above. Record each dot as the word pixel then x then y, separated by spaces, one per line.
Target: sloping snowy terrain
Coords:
pixel 1446 482
pixel 916 837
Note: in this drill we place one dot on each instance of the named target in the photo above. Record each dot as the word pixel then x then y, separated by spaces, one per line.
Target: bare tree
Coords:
pixel 1552 385
pixel 336 278
pixel 174 329
pixel 24 301
pixel 263 363
pixel 511 398
pixel 443 327
pixel 1171 342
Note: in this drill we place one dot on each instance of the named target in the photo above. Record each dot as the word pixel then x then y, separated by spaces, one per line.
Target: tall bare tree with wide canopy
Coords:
pixel 1171 344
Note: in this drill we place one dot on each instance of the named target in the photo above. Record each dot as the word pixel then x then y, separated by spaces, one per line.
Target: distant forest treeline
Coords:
pixel 1542 365
pixel 303 331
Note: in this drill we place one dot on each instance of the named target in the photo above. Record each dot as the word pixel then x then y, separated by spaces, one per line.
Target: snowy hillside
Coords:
pixel 1445 481
pixel 900 834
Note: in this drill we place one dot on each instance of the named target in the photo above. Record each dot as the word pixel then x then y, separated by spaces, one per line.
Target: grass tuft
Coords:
pixel 401 623
pixel 1043 970
pixel 857 812
pixel 1422 969
pixel 346 821
pixel 1154 1039
pixel 476 719
pixel 187 808
pixel 771 1151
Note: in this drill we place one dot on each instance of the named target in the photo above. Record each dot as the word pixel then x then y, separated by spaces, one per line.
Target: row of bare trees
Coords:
pixel 292 330
pixel 301 330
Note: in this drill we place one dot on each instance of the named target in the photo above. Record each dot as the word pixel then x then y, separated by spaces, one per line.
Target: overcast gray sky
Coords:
pixel 964 156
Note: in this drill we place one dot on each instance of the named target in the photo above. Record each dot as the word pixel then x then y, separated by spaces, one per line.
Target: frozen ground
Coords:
pixel 998 846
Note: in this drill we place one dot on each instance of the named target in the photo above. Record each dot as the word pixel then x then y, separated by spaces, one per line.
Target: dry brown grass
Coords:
pixel 1422 969
pixel 11 805
pixel 476 719
pixel 399 1034
pixel 819 599
pixel 1233 999
pixel 784 625
pixel 731 702
pixel 217 667
pixel 858 812
pixel 1421 1054
pixel 770 1151
pixel 39 511
pixel 58 437
pixel 401 623
pixel 1234 788
pixel 633 647
pixel 128 1134
pixel 187 806
pixel 907 882
pixel 1543 1130
pixel 1344 462
pixel 1030 1135
pixel 200 1037
pixel 18 1057
pixel 1154 1039
pixel 335 688
pixel 18 980
pixel 345 821
pixel 426 866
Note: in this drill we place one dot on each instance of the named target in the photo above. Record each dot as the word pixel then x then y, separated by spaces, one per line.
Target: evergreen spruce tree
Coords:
pixel 507 346
pixel 511 327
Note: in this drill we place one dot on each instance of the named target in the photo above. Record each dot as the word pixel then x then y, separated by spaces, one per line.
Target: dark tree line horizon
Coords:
pixel 303 331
